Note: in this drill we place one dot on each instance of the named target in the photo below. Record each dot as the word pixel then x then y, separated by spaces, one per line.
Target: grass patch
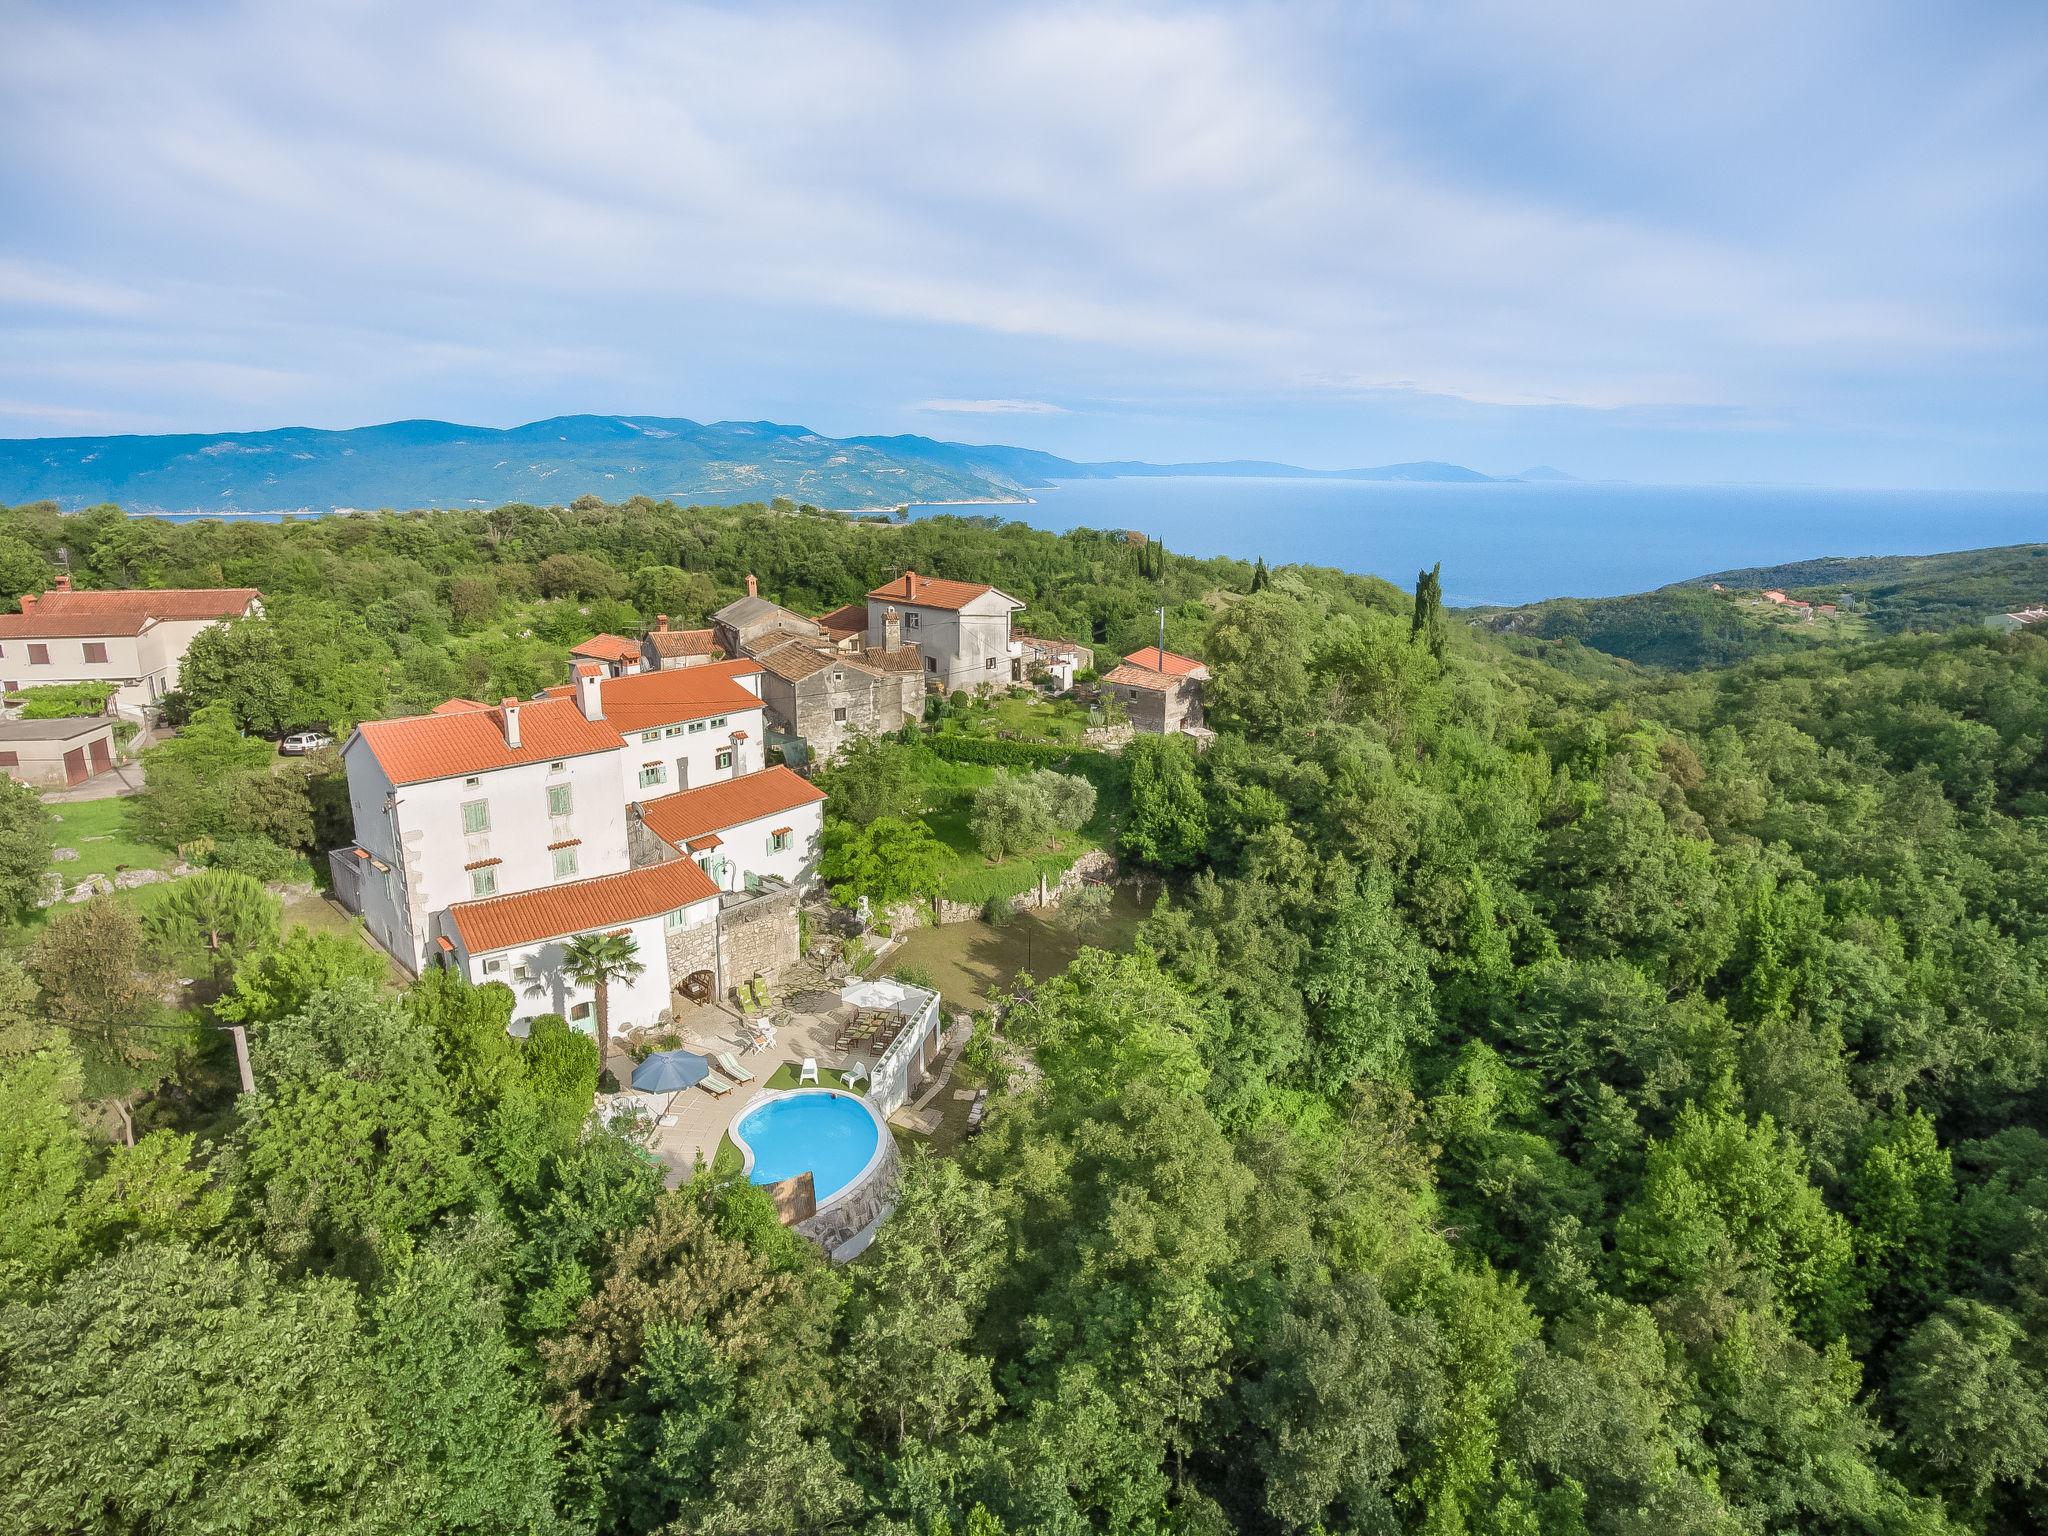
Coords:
pixel 1061 722
pixel 947 807
pixel 107 838
pixel 727 1163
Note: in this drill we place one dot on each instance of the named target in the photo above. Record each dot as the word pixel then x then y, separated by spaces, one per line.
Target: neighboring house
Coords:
pixel 132 638
pixel 820 697
pixel 846 627
pixel 1056 661
pixel 473 802
pixel 666 649
pixel 766 826
pixel 619 656
pixel 2025 618
pixel 1161 691
pixel 748 625
pixel 961 627
pixel 521 940
pixel 680 729
pixel 823 684
pixel 489 837
pixel 53 753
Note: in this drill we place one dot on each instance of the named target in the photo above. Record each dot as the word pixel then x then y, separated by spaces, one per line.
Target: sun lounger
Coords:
pixel 809 1071
pixel 732 1069
pixel 716 1086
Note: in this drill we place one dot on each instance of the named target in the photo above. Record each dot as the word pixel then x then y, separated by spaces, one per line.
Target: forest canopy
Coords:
pixel 1545 1100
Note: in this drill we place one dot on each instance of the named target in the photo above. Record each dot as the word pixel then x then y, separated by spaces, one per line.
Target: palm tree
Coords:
pixel 596 960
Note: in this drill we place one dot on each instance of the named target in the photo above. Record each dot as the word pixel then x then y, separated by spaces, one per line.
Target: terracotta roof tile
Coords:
pixel 1128 675
pixel 608 648
pixel 443 746
pixel 1173 664
pixel 794 661
pixel 905 658
pixel 122 611
pixel 852 619
pixel 649 699
pixel 693 812
pixel 927 592
pixel 580 906
pixel 682 642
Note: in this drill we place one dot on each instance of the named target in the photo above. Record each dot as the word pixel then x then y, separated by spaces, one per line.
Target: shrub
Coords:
pixel 997 911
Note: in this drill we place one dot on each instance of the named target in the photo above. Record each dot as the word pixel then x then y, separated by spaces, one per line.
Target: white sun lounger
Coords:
pixel 732 1069
pixel 716 1086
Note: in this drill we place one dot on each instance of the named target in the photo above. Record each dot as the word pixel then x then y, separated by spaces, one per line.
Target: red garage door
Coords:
pixel 74 766
pixel 102 759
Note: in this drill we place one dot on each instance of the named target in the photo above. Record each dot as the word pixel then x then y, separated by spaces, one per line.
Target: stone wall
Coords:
pixel 758 936
pixel 1095 864
pixel 851 1214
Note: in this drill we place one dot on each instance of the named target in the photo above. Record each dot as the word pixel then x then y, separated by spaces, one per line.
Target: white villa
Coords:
pixel 134 638
pixel 487 837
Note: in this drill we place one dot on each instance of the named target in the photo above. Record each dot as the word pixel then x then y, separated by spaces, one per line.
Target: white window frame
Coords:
pixel 652 775
pixel 722 758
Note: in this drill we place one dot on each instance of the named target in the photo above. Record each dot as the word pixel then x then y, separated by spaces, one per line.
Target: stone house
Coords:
pixel 823 697
pixel 664 650
pixel 961 627
pixel 1161 691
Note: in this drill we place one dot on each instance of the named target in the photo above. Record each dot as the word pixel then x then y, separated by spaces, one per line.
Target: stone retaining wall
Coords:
pixel 1095 864
pixel 860 1208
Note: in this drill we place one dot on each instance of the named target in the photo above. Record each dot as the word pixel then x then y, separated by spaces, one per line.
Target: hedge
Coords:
pixel 994 752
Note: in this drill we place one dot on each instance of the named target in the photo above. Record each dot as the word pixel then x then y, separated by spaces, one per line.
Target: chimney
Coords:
pixel 28 602
pixel 892 629
pixel 910 584
pixel 588 677
pixel 753 586
pixel 661 622
pixel 511 710
pixel 64 581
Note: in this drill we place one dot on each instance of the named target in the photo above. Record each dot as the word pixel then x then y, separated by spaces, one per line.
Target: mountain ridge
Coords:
pixel 421 462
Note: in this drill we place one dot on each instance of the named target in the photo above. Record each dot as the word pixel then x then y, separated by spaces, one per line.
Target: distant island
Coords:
pixel 439 464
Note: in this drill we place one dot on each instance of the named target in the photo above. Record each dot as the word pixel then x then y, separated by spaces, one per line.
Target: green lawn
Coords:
pixel 947 805
pixel 106 837
pixel 1026 718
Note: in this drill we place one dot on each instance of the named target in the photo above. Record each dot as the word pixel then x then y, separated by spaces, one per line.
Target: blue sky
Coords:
pixel 1679 242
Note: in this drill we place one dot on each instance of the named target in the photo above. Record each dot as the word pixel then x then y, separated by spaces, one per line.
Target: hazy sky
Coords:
pixel 1724 241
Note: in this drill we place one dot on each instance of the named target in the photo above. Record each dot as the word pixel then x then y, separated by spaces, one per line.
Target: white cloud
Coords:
pixel 992 407
pixel 1476 201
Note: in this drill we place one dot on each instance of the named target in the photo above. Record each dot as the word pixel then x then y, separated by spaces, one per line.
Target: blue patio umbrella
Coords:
pixel 666 1071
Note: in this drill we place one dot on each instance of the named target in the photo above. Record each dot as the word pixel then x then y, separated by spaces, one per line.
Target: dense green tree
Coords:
pixel 351 1140
pixel 26 837
pixel 282 980
pixel 213 922
pixel 873 777
pixel 1167 824
pixel 888 860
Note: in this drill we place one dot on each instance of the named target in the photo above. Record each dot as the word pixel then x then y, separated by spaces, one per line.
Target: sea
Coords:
pixel 1509 542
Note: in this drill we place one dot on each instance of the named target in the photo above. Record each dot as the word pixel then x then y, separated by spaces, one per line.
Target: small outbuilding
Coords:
pixel 51 754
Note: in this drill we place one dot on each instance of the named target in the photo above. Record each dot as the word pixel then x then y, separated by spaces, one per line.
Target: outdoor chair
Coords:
pixel 809 1072
pixel 732 1069
pixel 716 1086
pixel 854 1073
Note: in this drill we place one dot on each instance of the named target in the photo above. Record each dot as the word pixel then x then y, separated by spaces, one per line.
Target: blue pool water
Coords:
pixel 831 1134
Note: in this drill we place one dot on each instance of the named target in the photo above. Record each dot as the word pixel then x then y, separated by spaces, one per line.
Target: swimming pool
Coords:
pixel 833 1135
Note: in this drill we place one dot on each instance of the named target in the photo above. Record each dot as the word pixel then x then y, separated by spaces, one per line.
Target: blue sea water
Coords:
pixel 831 1134
pixel 1510 542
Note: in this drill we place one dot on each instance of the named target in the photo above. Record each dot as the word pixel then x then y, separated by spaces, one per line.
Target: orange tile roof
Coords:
pixel 1129 676
pixel 580 906
pixel 607 648
pixel 926 592
pixel 443 746
pixel 648 699
pixel 122 610
pixel 852 619
pixel 1153 659
pixel 693 812
pixel 682 642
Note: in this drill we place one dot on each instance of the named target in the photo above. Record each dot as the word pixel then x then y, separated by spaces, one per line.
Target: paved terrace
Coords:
pixel 805 1026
